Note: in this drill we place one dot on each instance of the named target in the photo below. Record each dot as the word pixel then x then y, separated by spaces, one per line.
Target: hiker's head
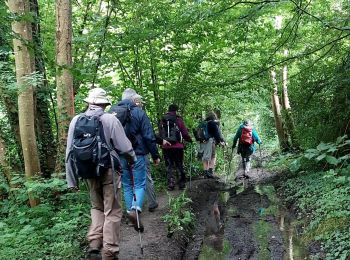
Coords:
pixel 173 108
pixel 131 94
pixel 211 116
pixel 98 96
pixel 139 102
pixel 247 122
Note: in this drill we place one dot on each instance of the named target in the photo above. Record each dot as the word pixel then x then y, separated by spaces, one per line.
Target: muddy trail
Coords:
pixel 240 219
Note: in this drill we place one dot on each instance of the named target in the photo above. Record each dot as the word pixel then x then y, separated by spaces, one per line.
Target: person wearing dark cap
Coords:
pixel 173 130
pixel 140 132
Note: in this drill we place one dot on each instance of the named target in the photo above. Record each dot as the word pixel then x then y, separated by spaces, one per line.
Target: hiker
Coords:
pixel 103 182
pixel 247 136
pixel 207 146
pixel 139 130
pixel 150 191
pixel 172 129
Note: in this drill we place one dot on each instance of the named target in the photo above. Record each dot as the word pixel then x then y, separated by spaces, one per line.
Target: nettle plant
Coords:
pixel 334 157
pixel 180 217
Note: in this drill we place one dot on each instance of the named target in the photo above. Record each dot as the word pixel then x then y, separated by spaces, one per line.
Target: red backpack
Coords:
pixel 247 136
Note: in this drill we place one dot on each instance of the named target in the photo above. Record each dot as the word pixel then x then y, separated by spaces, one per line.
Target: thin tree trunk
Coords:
pixel 288 117
pixel 276 108
pixel 5 166
pixel 46 139
pixel 155 87
pixel 64 78
pixel 102 43
pixel 24 68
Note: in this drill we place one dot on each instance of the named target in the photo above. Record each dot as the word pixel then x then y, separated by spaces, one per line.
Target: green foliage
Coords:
pixel 180 217
pixel 53 230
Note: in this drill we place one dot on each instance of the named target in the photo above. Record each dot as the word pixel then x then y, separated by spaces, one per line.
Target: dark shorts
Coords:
pixel 245 150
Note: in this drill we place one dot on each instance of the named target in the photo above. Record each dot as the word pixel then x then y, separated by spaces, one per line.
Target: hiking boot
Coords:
pixel 107 255
pixel 133 219
pixel 208 174
pixel 182 185
pixel 95 246
pixel 153 208
pixel 171 185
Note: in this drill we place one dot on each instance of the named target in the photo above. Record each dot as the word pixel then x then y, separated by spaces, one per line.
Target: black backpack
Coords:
pixel 201 133
pixel 90 152
pixel 169 130
pixel 123 113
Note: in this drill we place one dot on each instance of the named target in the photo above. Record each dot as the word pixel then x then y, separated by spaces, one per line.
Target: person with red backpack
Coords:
pixel 247 136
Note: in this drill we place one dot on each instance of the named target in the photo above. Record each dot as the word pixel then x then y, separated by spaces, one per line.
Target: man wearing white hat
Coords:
pixel 105 195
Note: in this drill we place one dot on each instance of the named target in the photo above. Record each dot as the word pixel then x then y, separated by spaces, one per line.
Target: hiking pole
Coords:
pixel 261 165
pixel 136 210
pixel 229 164
pixel 191 147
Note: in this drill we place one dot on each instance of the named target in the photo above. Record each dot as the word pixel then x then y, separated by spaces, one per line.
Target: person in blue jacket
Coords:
pixel 247 136
pixel 141 135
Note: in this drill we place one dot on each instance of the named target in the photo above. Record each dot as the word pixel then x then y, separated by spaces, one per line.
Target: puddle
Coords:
pixel 251 224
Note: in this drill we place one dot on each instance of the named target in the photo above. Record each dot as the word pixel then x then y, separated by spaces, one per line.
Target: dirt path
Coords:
pixel 156 244
pixel 238 221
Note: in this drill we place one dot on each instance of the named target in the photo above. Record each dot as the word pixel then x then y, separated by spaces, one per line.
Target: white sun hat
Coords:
pixel 97 96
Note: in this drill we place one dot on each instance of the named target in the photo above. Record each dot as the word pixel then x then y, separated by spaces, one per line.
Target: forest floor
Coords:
pixel 240 219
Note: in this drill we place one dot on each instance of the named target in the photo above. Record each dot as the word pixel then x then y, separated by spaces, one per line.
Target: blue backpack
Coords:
pixel 201 133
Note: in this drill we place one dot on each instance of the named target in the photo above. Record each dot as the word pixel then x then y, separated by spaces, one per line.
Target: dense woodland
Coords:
pixel 282 63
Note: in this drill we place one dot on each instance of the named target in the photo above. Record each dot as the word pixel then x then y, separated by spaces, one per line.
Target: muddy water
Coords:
pixel 250 224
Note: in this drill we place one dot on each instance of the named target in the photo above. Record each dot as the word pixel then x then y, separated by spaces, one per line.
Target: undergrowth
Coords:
pixel 55 229
pixel 318 185
pixel 180 217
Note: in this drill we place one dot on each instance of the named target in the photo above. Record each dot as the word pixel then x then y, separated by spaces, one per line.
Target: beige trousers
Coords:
pixel 106 212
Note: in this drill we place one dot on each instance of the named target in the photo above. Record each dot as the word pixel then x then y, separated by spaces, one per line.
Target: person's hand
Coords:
pixel 165 142
pixel 74 189
pixel 156 161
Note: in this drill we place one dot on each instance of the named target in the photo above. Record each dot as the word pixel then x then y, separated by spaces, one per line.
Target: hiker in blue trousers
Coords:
pixel 140 132
pixel 247 136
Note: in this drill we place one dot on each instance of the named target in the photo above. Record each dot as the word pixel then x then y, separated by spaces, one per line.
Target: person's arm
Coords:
pixel 71 178
pixel 148 136
pixel 215 130
pixel 120 141
pixel 256 137
pixel 183 130
pixel 237 136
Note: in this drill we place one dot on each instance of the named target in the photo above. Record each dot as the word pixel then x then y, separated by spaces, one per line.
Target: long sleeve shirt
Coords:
pixel 114 135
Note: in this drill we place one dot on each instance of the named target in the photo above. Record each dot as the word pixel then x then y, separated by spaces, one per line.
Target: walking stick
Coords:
pixel 136 210
pixel 229 163
pixel 191 147
pixel 262 169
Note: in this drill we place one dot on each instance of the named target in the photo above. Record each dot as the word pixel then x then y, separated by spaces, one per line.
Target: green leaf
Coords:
pixel 323 146
pixel 321 157
pixel 332 160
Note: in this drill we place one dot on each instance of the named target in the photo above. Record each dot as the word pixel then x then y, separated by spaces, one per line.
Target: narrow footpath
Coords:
pixel 236 220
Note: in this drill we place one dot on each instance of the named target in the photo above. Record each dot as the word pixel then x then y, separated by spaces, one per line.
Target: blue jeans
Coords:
pixel 139 173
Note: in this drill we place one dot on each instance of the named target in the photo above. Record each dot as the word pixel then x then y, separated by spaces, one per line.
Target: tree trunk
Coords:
pixel 24 60
pixel 288 117
pixel 45 135
pixel 5 166
pixel 155 87
pixel 276 108
pixel 64 78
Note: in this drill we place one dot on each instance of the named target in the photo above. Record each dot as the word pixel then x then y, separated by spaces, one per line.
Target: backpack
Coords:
pixel 90 152
pixel 169 130
pixel 246 136
pixel 123 113
pixel 201 133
